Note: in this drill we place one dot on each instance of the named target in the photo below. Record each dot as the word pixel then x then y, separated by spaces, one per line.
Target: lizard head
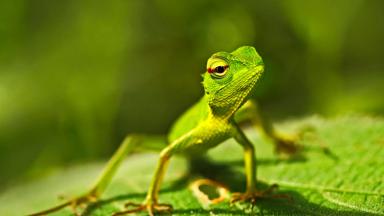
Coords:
pixel 230 78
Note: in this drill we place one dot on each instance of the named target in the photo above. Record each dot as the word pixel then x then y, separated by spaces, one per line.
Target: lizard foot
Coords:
pixel 287 144
pixel 253 196
pixel 81 201
pixel 151 207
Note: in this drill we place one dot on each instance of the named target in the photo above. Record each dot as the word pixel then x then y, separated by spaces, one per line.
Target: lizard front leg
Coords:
pixel 130 144
pixel 251 194
pixel 151 202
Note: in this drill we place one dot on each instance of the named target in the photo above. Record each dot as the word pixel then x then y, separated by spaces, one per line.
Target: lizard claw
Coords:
pixel 151 207
pixel 74 203
pixel 253 196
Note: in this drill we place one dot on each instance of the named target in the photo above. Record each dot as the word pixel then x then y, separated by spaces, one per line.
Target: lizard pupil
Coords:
pixel 220 69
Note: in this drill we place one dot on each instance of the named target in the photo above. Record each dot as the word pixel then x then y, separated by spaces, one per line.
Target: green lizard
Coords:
pixel 229 81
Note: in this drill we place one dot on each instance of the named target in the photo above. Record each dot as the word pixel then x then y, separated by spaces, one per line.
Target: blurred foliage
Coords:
pixel 76 76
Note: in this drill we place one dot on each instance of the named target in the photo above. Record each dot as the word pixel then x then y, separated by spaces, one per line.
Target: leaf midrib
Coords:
pixel 318 188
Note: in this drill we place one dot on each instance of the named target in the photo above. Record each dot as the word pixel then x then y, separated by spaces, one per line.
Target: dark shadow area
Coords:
pixel 175 186
pixel 223 172
pixel 194 211
pixel 296 204
pixel 272 161
pixel 94 206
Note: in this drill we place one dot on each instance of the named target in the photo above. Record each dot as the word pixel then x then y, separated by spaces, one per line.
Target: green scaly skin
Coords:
pixel 228 82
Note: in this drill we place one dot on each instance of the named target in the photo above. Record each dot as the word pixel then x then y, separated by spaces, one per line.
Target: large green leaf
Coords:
pixel 346 180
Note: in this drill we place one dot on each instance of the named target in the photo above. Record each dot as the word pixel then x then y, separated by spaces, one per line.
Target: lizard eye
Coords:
pixel 218 68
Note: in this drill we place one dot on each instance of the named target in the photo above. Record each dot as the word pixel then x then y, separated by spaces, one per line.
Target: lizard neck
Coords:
pixel 226 109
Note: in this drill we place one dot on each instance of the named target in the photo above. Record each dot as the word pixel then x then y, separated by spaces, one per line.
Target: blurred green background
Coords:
pixel 77 76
